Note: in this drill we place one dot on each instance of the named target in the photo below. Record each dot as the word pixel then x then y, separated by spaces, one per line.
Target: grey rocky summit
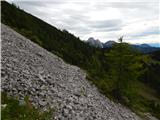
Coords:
pixel 93 42
pixel 28 69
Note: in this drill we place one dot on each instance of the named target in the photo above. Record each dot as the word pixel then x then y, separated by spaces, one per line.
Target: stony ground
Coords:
pixel 29 70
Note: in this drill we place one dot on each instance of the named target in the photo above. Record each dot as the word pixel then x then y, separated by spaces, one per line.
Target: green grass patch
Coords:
pixel 11 109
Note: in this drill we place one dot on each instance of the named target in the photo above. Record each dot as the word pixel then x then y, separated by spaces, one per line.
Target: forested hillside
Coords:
pixel 136 85
pixel 62 43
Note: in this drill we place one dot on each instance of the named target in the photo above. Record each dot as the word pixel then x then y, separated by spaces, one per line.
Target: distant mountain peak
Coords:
pixel 91 38
pixel 144 45
pixel 109 43
pixel 144 48
pixel 94 42
pixel 99 44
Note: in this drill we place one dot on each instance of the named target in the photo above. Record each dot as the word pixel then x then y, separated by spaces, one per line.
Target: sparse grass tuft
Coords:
pixel 13 110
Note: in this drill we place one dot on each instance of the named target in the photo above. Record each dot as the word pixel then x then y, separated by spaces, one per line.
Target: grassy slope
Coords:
pixel 74 51
pixel 147 100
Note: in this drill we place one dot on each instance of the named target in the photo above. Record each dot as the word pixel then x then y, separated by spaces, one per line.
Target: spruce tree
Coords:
pixel 125 65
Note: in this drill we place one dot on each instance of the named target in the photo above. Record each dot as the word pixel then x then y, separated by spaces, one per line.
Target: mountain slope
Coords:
pixel 61 43
pixel 72 50
pixel 29 70
pixel 145 48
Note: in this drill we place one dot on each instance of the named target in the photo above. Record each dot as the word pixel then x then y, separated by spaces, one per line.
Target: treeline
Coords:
pixel 61 43
pixel 120 73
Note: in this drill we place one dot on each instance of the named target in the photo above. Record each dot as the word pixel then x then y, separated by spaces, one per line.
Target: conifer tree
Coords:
pixel 126 65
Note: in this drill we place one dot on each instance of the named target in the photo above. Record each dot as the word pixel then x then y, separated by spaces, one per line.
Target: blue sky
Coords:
pixel 137 20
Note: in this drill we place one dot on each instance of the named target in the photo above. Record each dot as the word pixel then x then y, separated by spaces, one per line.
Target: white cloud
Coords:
pixel 137 20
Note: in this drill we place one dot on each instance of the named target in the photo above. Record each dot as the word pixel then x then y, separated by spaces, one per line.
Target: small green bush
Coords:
pixel 14 111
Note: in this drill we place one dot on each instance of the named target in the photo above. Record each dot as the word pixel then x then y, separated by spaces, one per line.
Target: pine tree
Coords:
pixel 126 65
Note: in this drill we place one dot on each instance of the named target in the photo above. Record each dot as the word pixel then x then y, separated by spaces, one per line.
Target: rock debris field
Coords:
pixel 29 70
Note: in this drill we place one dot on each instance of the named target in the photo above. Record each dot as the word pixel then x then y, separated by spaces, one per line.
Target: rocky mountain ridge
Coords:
pixel 109 44
pixel 29 70
pixel 94 42
pixel 144 48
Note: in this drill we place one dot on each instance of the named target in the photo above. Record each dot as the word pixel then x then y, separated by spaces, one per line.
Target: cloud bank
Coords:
pixel 137 21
